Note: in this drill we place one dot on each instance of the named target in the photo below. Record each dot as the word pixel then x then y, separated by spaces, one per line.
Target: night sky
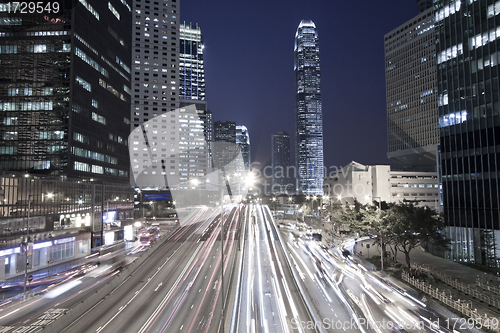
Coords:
pixel 249 69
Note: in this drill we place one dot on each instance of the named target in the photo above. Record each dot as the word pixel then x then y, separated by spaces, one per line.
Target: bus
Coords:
pixel 145 238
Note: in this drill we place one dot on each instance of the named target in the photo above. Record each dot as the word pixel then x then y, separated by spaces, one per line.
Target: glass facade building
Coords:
pixel 308 112
pixel 468 57
pixel 64 92
pixel 243 140
pixel 191 70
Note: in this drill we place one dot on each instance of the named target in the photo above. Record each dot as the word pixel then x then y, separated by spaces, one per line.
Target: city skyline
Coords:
pixel 353 80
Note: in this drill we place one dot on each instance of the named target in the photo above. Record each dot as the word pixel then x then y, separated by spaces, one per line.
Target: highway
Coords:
pixel 178 288
pixel 269 300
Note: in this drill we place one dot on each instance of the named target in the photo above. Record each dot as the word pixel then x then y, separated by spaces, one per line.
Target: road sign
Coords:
pixel 30 278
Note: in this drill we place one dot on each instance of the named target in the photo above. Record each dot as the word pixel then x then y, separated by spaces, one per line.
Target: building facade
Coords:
pixel 243 141
pixel 169 150
pixel 469 120
pixel 191 68
pixel 308 110
pixel 282 182
pixel 155 56
pixel 411 92
pixel 64 92
pixel 368 183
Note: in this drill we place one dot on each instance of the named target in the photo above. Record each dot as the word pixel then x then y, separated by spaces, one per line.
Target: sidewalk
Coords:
pixel 457 272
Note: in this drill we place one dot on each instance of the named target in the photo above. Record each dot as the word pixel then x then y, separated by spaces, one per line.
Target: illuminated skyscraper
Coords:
pixel 469 126
pixel 243 140
pixel 191 69
pixel 308 113
pixel 65 92
pixel 155 56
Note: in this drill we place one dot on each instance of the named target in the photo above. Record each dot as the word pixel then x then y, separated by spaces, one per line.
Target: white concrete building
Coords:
pixel 368 183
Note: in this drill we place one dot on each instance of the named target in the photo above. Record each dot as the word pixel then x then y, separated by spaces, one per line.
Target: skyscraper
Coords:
pixel 243 141
pixel 411 93
pixel 191 68
pixel 155 56
pixel 469 120
pixel 226 132
pixel 308 113
pixel 281 182
pixel 64 92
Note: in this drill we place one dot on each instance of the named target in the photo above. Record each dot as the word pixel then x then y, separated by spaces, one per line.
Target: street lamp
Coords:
pixel 142 204
pixel 26 246
pixel 381 236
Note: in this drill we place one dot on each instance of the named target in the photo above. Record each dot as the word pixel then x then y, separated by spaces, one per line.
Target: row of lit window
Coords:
pixel 112 90
pixel 27 106
pixel 93 155
pixel 82 55
pixel 46 91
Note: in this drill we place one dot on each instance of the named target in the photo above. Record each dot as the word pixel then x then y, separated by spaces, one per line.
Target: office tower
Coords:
pixel 308 114
pixel 410 73
pixel 224 154
pixel 243 141
pixel 225 131
pixel 191 70
pixel 192 78
pixel 65 92
pixel 155 56
pixel 281 182
pixel 469 120
pixel 170 150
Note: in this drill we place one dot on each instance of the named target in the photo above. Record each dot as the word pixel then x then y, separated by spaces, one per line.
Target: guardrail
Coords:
pixel 466 288
pixel 465 307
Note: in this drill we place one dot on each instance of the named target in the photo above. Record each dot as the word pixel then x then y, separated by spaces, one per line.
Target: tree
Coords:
pixel 355 217
pixel 410 225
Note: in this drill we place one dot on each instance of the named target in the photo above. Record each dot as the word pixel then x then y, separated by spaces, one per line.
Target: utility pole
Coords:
pixel 27 246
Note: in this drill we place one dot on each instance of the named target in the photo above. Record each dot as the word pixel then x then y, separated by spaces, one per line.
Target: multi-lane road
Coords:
pixel 255 277
pixel 269 300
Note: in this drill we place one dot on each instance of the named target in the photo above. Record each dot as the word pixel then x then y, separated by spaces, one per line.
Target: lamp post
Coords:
pixel 27 246
pixel 381 236
pixel 142 203
pixel 196 183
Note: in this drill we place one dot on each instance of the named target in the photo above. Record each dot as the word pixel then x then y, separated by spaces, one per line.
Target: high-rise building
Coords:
pixel 469 120
pixel 155 57
pixel 308 113
pixel 224 154
pixel 169 156
pixel 225 131
pixel 411 93
pixel 192 78
pixel 281 182
pixel 64 92
pixel 243 141
pixel 191 70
